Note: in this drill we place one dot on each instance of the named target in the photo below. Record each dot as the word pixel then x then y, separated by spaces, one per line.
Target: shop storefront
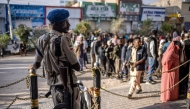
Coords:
pixel 157 15
pixel 30 15
pixel 175 19
pixel 100 14
pixel 74 18
pixel 2 18
pixel 130 12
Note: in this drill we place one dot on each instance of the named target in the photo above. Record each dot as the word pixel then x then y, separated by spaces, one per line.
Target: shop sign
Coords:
pixel 27 11
pixel 37 22
pixel 99 9
pixel 129 8
pixel 100 18
pixel 131 18
pixel 155 14
pixel 174 15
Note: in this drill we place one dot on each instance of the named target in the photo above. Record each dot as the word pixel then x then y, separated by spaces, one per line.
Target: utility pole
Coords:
pixel 10 20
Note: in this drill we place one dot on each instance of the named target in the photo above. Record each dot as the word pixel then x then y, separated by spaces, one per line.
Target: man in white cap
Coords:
pixel 109 56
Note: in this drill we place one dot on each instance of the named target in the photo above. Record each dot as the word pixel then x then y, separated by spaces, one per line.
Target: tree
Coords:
pixel 23 33
pixel 166 27
pixel 83 28
pixel 39 31
pixel 4 40
pixel 118 26
pixel 145 28
pixel 69 4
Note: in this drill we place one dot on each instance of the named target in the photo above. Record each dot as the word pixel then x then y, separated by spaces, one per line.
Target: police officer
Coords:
pixel 46 49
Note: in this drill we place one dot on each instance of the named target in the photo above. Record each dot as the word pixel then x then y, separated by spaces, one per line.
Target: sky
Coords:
pixel 50 2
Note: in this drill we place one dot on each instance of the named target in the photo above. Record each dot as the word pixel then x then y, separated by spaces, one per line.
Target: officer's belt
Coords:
pixel 59 88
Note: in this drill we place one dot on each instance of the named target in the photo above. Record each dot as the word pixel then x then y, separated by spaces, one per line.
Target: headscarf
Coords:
pixel 176 38
pixel 161 41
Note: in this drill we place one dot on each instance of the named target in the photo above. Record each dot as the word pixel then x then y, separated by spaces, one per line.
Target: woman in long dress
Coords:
pixel 170 60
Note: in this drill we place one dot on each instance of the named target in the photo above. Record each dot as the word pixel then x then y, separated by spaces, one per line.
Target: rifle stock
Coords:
pixel 63 74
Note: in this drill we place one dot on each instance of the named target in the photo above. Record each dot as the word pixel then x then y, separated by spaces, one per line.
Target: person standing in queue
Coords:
pixel 152 52
pixel 135 59
pixel 117 57
pixel 97 44
pixel 124 74
pixel 47 48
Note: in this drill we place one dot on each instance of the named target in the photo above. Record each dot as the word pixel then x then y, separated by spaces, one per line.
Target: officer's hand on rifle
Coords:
pixel 35 66
pixel 30 67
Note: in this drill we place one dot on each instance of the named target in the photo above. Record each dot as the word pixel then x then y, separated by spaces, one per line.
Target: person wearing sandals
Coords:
pixel 135 59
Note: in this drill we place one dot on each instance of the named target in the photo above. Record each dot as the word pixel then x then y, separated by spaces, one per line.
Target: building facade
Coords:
pixel 167 3
pixel 100 14
pixel 130 10
pixel 185 12
pixel 2 18
pixel 64 2
pixel 30 15
pixel 156 14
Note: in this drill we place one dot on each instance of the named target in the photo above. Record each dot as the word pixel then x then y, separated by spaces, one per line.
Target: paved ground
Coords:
pixel 13 68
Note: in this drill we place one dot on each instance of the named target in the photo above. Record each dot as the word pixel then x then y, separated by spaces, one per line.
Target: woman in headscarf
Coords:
pixel 170 60
pixel 114 40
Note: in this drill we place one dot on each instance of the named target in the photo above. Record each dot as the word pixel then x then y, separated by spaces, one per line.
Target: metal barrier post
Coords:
pixel 33 89
pixel 97 86
pixel 188 92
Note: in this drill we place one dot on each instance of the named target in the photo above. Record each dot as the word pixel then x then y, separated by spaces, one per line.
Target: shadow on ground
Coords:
pixel 180 104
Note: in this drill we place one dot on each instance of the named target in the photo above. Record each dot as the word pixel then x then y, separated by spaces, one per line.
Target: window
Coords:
pixel 189 8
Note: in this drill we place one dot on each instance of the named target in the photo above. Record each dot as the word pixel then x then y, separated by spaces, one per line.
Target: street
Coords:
pixel 13 68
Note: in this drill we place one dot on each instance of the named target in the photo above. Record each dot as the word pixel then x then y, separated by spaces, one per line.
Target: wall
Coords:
pixel 173 10
pixel 64 2
pixel 164 3
pixel 2 18
pixel 30 15
pixel 185 11
pixel 105 25
pixel 2 25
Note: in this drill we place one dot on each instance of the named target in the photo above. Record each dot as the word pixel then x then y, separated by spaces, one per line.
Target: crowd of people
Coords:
pixel 130 57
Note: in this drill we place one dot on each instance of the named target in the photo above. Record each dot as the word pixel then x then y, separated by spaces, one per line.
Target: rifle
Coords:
pixel 64 71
